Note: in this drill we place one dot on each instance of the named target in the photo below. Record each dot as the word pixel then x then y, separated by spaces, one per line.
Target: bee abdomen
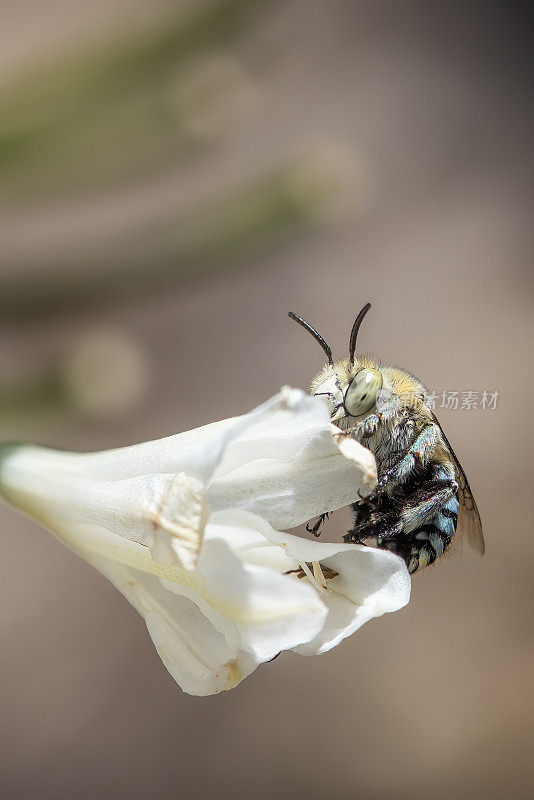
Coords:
pixel 423 546
pixel 419 548
pixel 430 543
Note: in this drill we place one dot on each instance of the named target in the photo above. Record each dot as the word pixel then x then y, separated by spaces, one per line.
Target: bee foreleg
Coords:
pixel 315 528
pixel 365 428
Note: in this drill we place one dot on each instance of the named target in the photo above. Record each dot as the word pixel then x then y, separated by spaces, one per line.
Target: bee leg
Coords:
pixel 421 527
pixel 429 523
pixel 428 502
pixel 316 527
pixel 381 525
pixel 423 504
pixel 368 426
pixel 418 453
pixel 369 502
pixel 353 537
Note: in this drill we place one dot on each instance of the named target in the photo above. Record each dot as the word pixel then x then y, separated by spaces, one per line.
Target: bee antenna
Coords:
pixel 355 329
pixel 316 335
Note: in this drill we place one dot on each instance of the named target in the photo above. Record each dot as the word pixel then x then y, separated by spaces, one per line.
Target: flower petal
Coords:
pixel 369 583
pixel 288 467
pixel 232 615
pixel 141 514
pixel 164 512
pixel 198 657
pixel 281 462
pixel 197 453
pixel 259 609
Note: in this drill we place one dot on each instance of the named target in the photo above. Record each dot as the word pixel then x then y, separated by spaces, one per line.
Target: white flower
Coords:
pixel 186 528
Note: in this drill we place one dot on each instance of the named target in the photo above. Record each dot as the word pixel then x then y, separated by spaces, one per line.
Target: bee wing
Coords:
pixel 469 522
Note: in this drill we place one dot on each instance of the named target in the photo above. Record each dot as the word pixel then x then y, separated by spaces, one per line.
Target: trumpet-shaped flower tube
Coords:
pixel 188 529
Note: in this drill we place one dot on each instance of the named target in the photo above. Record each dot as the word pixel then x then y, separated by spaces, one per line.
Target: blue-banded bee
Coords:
pixel 422 497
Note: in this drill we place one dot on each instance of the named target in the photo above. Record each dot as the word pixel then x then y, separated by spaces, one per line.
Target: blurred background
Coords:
pixel 174 177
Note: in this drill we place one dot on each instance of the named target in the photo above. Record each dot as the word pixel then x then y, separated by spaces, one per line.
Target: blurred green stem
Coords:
pixel 104 113
pixel 235 227
pixel 29 405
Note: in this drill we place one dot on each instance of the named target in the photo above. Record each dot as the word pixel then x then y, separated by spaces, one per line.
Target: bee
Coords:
pixel 422 497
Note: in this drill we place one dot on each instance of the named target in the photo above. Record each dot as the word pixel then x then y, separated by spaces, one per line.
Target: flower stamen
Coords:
pixel 317 574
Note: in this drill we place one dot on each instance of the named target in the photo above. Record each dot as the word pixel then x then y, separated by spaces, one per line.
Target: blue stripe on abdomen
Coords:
pixel 445 525
pixel 452 505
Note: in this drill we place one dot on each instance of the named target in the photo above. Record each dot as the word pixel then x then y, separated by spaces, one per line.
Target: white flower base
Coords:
pixel 187 528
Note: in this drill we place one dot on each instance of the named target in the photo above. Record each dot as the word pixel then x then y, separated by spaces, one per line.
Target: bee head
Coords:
pixel 350 386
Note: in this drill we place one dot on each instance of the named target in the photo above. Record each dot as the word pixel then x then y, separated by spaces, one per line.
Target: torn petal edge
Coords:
pixel 179 520
pixel 356 452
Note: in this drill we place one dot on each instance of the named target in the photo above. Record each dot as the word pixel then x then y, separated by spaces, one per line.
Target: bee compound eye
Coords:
pixel 362 392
